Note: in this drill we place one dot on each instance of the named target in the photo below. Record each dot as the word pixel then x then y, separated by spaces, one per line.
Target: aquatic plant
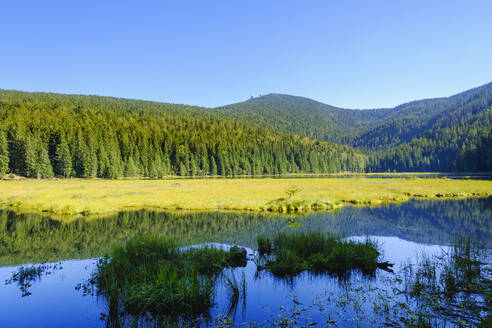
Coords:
pixel 456 284
pixel 236 288
pixel 292 191
pixel 152 276
pixel 288 254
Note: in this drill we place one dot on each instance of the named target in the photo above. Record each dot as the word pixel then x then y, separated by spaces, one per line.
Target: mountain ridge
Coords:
pixel 454 126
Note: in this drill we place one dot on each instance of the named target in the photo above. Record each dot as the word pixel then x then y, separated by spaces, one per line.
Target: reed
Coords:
pixel 289 254
pixel 150 275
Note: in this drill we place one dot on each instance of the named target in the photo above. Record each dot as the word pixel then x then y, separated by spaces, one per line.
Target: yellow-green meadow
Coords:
pixel 74 197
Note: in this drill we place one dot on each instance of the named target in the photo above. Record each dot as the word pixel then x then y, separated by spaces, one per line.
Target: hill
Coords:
pixel 426 135
pixel 304 116
pixel 45 134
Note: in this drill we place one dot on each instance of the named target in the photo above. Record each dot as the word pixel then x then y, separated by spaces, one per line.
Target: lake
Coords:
pixel 64 256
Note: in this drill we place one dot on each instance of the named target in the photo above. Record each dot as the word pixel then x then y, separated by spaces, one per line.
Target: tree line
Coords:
pixel 45 135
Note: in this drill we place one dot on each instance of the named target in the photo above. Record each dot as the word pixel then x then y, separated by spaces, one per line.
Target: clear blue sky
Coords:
pixel 354 54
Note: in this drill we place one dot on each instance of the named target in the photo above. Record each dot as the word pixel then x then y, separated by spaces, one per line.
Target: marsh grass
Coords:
pixel 236 289
pixel 288 254
pixel 451 289
pixel 67 198
pixel 152 276
pixel 455 284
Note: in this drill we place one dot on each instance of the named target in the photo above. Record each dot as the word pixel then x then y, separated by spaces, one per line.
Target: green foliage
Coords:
pixel 37 161
pixel 290 254
pixel 292 191
pixel 303 116
pixel 112 138
pixel 455 284
pixel 63 159
pixel 4 154
pixel 32 238
pixel 152 275
pixel 439 134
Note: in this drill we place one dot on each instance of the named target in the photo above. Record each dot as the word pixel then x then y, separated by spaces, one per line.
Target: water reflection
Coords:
pixel 403 231
pixel 36 239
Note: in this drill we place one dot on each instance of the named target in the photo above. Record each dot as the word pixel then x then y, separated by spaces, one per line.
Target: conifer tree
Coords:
pixel 63 159
pixel 4 154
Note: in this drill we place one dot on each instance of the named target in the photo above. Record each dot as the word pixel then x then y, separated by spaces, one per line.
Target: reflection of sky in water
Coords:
pixel 396 250
pixel 55 302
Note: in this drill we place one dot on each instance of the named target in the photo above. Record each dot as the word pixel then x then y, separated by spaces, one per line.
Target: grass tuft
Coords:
pixel 150 275
pixel 289 254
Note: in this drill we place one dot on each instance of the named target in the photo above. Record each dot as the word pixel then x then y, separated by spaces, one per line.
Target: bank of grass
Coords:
pixel 97 197
pixel 288 254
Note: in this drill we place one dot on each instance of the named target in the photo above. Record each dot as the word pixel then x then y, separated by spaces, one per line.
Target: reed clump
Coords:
pixel 150 275
pixel 289 254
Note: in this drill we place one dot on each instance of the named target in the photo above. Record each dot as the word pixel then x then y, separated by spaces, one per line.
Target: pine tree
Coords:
pixel 131 169
pixel 30 158
pixel 4 154
pixel 45 169
pixel 64 159
pixel 213 166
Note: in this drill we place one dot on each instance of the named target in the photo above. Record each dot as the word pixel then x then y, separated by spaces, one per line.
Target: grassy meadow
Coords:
pixel 97 197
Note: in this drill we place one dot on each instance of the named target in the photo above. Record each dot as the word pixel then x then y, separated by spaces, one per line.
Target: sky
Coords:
pixel 351 54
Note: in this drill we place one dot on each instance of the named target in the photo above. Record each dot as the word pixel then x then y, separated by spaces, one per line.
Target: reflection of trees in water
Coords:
pixel 433 222
pixel 33 238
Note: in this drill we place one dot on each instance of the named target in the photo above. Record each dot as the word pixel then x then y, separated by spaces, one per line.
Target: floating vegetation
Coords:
pixel 289 254
pixel 290 205
pixel 152 276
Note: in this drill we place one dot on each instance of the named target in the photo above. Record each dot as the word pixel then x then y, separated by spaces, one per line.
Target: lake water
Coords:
pixel 403 232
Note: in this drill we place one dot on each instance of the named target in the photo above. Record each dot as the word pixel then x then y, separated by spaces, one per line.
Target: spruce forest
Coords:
pixel 45 135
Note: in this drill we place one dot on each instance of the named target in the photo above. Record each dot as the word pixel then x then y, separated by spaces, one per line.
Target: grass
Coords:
pixel 67 198
pixel 449 289
pixel 289 254
pixel 152 276
pixel 456 284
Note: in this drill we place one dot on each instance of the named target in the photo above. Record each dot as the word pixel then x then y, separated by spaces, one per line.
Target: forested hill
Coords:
pixel 304 116
pixel 438 134
pixel 44 134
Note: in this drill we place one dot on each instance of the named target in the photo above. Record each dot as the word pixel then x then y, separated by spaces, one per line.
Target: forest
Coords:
pixel 43 135
pixel 440 134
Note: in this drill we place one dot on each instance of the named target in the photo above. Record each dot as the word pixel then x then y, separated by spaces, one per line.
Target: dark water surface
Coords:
pixel 52 300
